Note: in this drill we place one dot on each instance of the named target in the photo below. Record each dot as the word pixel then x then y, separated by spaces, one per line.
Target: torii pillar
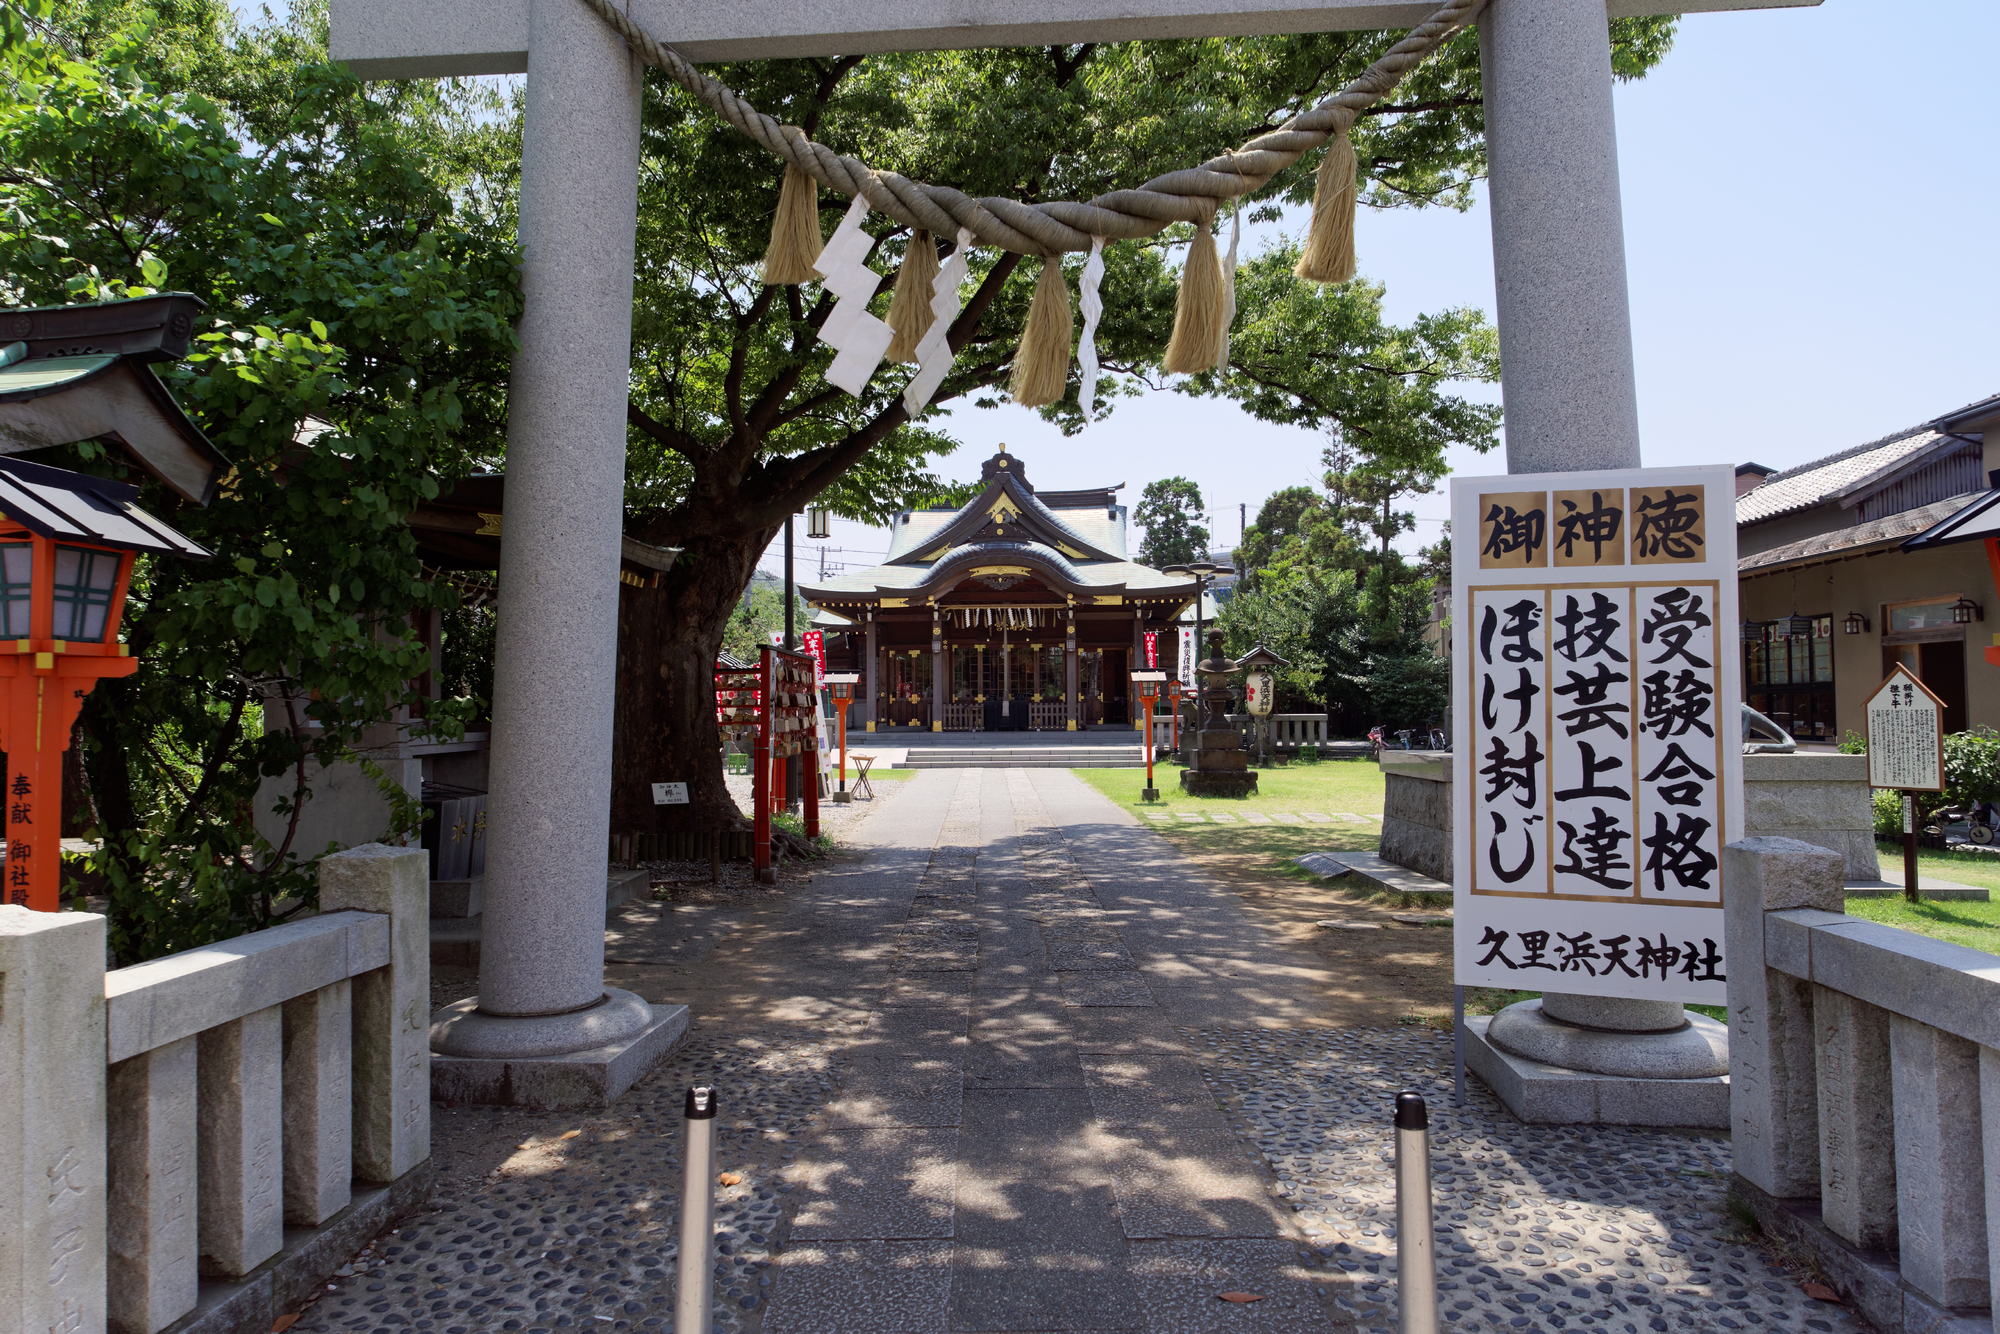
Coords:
pixel 1565 342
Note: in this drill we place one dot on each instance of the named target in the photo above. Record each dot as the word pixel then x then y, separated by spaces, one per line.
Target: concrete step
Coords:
pixel 1026 757
pixel 1926 889
pixel 1371 871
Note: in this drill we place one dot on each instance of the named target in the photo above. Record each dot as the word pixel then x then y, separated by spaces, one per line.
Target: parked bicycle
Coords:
pixel 1981 822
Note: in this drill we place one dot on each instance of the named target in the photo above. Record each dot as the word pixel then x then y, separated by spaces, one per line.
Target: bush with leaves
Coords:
pixel 1972 767
pixel 352 360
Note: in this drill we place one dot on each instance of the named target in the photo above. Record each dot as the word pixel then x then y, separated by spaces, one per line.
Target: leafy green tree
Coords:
pixel 1171 510
pixel 1309 617
pixel 1406 682
pixel 761 615
pixel 1284 517
pixel 352 357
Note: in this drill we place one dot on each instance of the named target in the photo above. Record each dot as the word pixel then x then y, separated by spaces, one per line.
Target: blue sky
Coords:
pixel 1810 204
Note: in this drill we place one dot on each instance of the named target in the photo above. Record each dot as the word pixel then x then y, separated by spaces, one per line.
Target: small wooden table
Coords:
pixel 861 766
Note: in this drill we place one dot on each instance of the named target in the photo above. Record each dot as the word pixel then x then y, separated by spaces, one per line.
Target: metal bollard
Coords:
pixel 1416 1253
pixel 695 1298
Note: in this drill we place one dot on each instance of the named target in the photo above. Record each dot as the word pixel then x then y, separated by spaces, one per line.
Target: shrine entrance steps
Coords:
pixel 1027 757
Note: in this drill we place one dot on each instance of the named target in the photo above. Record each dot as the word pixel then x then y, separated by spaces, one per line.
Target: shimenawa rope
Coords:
pixel 1191 195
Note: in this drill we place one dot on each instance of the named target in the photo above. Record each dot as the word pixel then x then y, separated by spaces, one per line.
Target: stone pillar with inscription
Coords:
pixel 52 1117
pixel 1595 785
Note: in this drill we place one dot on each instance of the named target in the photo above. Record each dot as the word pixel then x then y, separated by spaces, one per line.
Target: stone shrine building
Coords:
pixel 1017 611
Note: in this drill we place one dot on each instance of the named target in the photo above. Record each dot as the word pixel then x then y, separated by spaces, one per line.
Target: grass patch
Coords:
pixel 1330 785
pixel 1960 921
pixel 1978 869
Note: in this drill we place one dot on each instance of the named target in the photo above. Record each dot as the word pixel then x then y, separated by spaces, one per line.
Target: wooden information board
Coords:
pixel 1905 735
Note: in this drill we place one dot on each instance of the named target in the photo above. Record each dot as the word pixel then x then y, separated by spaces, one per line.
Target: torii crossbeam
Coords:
pixel 1565 343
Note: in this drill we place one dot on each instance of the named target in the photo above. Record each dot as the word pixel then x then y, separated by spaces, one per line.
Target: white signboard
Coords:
pixel 1184 663
pixel 1905 734
pixel 1595 701
pixel 670 794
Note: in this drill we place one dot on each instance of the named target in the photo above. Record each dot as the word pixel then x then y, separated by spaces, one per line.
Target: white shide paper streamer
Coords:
pixel 1093 311
pixel 934 349
pixel 860 338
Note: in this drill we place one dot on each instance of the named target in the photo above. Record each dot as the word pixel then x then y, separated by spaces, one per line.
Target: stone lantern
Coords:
pixel 1260 694
pixel 1218 765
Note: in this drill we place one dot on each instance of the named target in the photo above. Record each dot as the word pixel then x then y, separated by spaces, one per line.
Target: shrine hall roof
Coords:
pixel 1095 573
pixel 1076 544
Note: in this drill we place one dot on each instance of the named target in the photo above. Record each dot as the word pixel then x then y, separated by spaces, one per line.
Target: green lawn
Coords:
pixel 1967 868
pixel 1330 785
pixel 1962 922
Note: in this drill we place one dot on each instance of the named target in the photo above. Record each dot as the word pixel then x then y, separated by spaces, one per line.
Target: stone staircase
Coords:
pixel 1026 757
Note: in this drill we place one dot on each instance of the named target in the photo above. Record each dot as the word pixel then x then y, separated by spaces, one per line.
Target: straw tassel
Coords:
pixel 1041 365
pixel 1201 310
pixel 1329 253
pixel 795 236
pixel 910 308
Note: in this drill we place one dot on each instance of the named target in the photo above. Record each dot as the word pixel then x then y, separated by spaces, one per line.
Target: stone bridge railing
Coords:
pixel 213 1132
pixel 1864 1092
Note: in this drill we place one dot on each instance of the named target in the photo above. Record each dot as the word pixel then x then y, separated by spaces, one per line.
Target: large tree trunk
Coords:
pixel 667 641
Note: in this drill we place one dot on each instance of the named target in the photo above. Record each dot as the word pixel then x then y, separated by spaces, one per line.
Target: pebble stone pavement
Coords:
pixel 875 1037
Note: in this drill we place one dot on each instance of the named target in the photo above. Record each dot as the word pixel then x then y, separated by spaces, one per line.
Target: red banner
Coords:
pixel 815 644
pixel 1152 650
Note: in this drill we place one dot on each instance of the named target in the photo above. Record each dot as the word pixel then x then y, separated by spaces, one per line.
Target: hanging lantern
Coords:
pixel 1965 611
pixel 1259 692
pixel 1855 624
pixel 817 522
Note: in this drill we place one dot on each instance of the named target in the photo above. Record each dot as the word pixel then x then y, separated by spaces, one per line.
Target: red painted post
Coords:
pixel 760 780
pixel 810 772
pixel 1149 742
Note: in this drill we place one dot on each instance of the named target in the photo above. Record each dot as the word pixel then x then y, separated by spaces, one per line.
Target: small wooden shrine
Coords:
pixel 1019 610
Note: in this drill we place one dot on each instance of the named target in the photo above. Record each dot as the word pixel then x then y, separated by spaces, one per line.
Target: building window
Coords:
pixel 84 582
pixel 1928 614
pixel 16 560
pixel 1789 678
pixel 1055 679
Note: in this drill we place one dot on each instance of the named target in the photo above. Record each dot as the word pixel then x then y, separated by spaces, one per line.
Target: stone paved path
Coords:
pixel 1018 1066
pixel 1023 1139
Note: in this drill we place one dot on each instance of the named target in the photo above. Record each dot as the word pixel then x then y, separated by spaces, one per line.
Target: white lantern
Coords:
pixel 1259 690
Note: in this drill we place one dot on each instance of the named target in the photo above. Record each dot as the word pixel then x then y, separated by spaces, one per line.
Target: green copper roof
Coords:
pixel 33 378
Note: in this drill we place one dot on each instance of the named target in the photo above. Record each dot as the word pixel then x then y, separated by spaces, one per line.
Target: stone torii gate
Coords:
pixel 545 1030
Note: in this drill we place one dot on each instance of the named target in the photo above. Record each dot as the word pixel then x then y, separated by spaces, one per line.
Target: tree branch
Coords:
pixel 678 441
pixel 1439 104
pixel 829 80
pixel 739 356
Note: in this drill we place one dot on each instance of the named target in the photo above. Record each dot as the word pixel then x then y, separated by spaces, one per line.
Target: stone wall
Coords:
pixel 1819 799
pixel 1864 1093
pixel 204 1137
pixel 1416 812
